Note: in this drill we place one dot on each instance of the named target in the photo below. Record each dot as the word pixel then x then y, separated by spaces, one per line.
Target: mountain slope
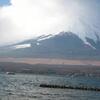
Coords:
pixel 62 45
pixel 96 43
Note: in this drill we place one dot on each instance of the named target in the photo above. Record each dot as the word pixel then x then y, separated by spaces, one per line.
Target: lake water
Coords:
pixel 26 87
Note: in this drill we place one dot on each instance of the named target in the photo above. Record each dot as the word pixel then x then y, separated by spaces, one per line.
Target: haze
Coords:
pixel 24 19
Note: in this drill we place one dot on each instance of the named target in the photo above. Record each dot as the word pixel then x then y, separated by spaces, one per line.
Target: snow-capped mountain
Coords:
pixel 62 45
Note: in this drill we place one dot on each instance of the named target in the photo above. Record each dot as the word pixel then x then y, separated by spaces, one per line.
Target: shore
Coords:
pixel 76 70
pixel 52 61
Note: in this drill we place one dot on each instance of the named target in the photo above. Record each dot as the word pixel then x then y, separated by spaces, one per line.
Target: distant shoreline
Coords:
pixel 59 69
pixel 52 61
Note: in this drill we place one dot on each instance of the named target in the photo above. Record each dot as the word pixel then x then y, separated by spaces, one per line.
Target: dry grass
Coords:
pixel 51 61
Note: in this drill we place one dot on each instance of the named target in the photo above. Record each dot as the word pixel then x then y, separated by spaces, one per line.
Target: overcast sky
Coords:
pixel 24 19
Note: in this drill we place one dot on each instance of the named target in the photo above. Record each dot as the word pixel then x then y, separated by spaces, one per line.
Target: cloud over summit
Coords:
pixel 25 19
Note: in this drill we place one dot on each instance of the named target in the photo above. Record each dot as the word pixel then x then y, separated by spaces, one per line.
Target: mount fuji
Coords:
pixel 62 45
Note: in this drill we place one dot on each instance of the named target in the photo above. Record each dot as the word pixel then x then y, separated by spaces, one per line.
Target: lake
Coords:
pixel 26 87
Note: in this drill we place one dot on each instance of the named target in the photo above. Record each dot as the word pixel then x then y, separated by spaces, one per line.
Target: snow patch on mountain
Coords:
pixel 22 46
pixel 44 37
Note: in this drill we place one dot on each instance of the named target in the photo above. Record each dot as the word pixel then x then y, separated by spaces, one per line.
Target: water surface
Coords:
pixel 26 87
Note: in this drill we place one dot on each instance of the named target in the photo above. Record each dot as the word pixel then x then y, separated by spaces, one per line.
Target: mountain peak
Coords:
pixel 62 45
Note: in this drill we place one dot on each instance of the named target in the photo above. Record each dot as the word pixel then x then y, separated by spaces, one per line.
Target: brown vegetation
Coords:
pixel 52 61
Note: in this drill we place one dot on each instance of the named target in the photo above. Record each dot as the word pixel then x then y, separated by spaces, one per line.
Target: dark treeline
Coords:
pixel 49 69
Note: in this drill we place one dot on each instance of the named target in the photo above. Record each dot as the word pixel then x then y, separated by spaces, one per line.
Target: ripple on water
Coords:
pixel 26 87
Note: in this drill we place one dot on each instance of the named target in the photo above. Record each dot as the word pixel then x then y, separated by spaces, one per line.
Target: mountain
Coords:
pixel 62 45
pixel 95 44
